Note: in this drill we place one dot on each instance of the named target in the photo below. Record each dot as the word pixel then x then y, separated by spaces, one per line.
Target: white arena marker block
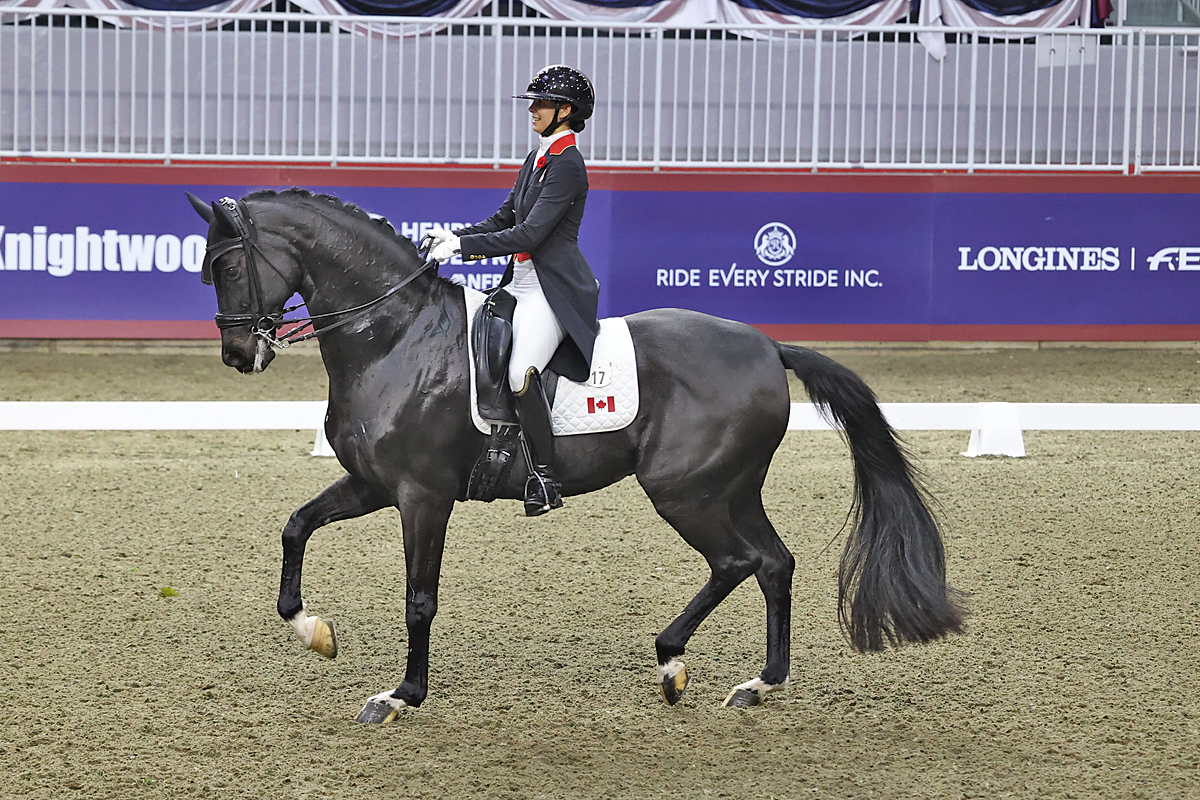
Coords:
pixel 999 432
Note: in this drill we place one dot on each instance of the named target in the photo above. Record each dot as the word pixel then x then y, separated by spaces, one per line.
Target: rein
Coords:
pixel 264 324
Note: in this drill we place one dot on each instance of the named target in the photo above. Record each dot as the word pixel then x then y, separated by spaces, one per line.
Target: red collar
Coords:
pixel 558 145
pixel 556 148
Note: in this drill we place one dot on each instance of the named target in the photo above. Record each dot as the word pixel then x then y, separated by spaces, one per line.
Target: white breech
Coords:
pixel 536 331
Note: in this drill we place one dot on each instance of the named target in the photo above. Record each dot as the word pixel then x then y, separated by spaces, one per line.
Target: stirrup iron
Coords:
pixel 542 492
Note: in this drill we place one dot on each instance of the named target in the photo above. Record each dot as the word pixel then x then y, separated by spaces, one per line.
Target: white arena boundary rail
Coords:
pixel 305 88
pixel 996 428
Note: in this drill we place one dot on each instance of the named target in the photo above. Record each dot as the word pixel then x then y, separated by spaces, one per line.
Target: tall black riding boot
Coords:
pixel 542 491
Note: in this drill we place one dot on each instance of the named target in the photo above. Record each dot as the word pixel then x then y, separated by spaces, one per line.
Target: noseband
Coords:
pixel 263 324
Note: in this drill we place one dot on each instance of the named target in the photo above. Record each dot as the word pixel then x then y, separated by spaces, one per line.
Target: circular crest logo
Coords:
pixel 774 244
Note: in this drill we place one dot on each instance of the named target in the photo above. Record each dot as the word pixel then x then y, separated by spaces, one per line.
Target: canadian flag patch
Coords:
pixel 606 404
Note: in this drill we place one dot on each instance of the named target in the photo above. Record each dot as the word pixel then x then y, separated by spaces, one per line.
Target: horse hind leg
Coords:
pixel 347 498
pixel 775 580
pixel 730 559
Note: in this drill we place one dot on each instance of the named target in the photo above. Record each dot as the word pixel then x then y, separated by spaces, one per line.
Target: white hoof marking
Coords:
pixel 303 625
pixel 759 687
pixel 385 698
pixel 669 669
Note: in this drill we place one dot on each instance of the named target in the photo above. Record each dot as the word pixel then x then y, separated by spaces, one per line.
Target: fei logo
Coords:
pixel 1185 259
pixel 774 244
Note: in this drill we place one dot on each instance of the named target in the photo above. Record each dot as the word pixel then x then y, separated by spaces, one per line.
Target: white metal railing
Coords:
pixel 305 88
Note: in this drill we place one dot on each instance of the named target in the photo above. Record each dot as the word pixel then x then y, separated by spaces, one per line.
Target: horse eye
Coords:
pixel 233 270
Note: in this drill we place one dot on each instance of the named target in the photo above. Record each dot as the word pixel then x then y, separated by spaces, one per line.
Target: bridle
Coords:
pixel 264 324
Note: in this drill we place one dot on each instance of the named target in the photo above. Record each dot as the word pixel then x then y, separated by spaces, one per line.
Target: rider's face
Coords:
pixel 543 114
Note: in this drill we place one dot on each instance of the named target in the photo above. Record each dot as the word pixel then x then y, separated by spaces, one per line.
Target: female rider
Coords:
pixel 556 292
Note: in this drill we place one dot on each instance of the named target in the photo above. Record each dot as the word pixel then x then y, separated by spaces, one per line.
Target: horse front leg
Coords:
pixel 424 539
pixel 349 497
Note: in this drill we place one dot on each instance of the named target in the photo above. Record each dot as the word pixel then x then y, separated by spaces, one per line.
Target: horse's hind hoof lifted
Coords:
pixel 673 681
pixel 324 638
pixel 743 698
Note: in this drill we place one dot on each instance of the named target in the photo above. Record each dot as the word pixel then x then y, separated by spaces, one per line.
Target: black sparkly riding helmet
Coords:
pixel 559 83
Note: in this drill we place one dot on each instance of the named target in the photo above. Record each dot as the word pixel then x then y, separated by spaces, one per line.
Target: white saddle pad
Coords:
pixel 607 401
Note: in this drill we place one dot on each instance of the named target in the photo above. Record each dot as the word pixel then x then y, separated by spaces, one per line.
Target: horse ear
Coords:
pixel 224 220
pixel 202 208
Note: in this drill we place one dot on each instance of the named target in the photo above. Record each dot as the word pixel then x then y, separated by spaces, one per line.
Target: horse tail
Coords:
pixel 892 577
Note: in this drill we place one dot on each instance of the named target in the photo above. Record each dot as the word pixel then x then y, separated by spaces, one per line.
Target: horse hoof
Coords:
pixel 376 713
pixel 672 686
pixel 324 639
pixel 743 698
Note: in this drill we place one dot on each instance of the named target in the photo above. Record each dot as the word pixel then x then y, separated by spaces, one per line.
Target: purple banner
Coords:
pixel 774 258
pixel 964 259
pixel 133 251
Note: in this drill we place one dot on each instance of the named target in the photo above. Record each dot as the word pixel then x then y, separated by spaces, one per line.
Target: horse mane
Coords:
pixel 381 223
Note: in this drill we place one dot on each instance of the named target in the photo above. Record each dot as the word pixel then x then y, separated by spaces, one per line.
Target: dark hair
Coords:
pixel 578 125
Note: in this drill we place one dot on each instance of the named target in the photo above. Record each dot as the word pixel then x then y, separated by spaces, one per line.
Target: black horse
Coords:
pixel 714 407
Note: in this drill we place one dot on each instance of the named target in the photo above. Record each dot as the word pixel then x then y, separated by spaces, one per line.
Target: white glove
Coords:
pixel 446 250
pixel 438 235
pixel 434 237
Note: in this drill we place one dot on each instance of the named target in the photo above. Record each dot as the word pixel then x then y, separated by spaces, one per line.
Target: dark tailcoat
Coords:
pixel 541 217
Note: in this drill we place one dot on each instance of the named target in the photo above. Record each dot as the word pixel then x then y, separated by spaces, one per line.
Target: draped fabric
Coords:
pixel 408 8
pixel 454 8
pixel 821 9
pixel 682 13
pixel 979 14
pixel 415 8
pixel 696 13
pixel 219 7
pixel 1000 13
pixel 806 8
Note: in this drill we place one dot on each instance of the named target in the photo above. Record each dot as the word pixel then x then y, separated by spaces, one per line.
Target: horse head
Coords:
pixel 253 278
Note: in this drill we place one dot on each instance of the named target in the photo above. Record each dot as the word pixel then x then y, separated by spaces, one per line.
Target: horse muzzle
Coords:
pixel 249 355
